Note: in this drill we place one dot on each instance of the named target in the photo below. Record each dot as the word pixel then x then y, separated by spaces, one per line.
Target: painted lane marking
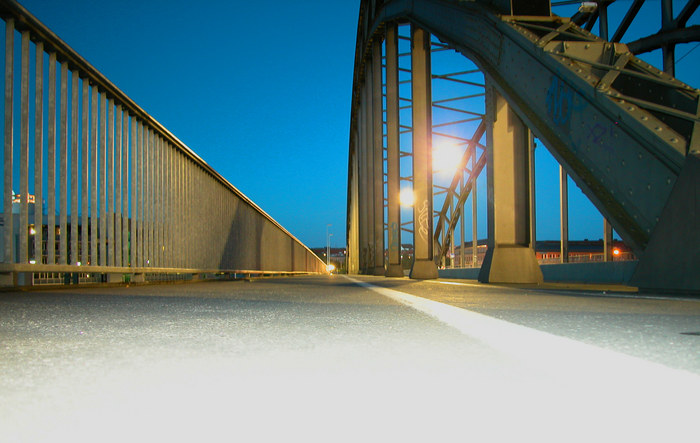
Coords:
pixel 553 353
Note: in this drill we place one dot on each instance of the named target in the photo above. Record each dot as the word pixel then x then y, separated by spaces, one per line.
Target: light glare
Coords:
pixel 406 197
pixel 446 158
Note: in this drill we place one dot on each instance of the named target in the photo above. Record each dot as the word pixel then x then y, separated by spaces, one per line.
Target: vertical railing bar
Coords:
pixel 92 173
pixel 133 240
pixel 118 188
pixel 175 214
pixel 74 217
pixel 197 186
pixel 139 197
pixel 201 183
pixel 191 230
pixel 110 182
pixel 24 154
pixel 146 196
pixel 164 203
pixel 171 213
pixel 63 170
pixel 165 214
pixel 102 234
pixel 157 199
pixel 149 197
pixel 124 219
pixel 51 166
pixel 38 154
pixel 9 256
pixel 186 251
pixel 85 189
pixel 197 210
pixel 194 229
pixel 179 210
pixel 146 214
pixel 168 210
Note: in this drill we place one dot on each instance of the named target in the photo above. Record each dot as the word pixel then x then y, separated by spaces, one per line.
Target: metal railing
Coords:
pixel 110 189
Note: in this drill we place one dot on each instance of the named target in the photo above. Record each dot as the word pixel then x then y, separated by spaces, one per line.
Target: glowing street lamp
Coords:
pixel 406 197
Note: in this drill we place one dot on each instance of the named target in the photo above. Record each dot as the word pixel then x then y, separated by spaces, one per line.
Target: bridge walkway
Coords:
pixel 331 358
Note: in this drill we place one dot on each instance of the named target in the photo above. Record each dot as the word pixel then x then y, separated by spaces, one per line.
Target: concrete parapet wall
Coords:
pixel 598 272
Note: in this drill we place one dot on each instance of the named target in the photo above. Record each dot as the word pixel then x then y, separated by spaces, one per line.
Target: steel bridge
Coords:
pixel 125 199
pixel 625 131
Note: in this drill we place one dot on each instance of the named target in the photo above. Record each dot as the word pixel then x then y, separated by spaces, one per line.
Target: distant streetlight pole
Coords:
pixel 328 245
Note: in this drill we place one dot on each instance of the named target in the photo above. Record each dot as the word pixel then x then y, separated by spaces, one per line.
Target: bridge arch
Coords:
pixel 625 131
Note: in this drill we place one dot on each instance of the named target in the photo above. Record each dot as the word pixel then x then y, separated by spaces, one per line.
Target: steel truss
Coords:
pixel 599 110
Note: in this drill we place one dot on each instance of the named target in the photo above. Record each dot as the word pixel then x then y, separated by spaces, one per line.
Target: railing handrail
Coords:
pixel 38 31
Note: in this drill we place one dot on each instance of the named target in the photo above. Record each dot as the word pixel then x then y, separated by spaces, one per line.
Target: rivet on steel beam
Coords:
pixel 674 140
pixel 658 129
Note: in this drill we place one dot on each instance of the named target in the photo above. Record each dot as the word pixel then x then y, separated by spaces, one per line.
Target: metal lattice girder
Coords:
pixel 453 218
pixel 620 127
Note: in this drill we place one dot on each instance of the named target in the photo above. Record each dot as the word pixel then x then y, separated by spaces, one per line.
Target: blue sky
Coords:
pixel 261 91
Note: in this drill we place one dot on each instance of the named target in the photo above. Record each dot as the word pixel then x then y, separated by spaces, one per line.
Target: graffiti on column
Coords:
pixel 423 221
pixel 393 237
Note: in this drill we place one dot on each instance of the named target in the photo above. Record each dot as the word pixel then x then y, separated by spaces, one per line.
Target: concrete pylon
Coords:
pixel 423 263
pixel 378 158
pixel 393 268
pixel 362 183
pixel 510 257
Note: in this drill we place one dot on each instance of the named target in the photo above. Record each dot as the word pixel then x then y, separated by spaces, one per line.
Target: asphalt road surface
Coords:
pixel 347 359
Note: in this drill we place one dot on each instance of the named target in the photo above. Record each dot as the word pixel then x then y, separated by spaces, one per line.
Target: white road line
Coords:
pixel 552 353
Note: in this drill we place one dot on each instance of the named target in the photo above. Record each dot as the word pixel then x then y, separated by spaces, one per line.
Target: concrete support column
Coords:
pixel 362 184
pixel 353 264
pixel 423 264
pixel 564 215
pixel 393 268
pixel 531 180
pixel 369 169
pixel 607 241
pixel 510 257
pixel 378 158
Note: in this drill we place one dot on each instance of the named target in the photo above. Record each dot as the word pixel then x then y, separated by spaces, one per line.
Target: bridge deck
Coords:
pixel 331 358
